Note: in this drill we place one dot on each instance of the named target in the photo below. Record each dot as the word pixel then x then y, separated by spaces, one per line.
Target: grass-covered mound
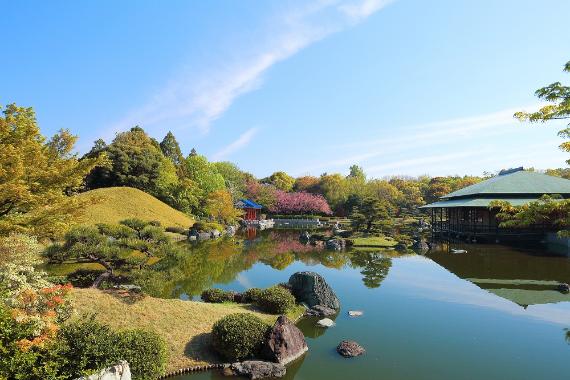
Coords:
pixel 113 204
pixel 184 325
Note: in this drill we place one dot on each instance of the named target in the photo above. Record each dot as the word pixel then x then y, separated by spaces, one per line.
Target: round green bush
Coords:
pixel 145 351
pixel 239 336
pixel 276 300
pixel 217 296
pixel 251 295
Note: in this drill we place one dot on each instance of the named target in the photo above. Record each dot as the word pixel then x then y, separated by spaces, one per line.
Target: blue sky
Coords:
pixel 398 87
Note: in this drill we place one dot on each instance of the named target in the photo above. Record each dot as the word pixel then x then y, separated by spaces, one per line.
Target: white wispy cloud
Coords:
pixel 413 138
pixel 241 142
pixel 191 101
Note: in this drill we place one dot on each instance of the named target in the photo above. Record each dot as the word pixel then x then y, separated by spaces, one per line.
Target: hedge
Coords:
pixel 275 300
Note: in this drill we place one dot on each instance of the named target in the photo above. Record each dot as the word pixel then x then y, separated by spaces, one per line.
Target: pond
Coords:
pixel 490 313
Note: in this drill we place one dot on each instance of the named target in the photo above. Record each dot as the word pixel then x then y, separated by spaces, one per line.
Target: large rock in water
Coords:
pixel 284 342
pixel 119 371
pixel 257 369
pixel 312 289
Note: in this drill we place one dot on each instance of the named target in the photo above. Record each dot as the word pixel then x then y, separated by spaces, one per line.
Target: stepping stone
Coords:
pixel 326 322
pixel 355 313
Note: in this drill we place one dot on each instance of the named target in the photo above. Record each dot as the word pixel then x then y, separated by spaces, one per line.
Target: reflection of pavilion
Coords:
pixel 518 276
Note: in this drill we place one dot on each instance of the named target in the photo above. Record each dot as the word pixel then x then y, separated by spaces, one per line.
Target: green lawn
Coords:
pixel 374 241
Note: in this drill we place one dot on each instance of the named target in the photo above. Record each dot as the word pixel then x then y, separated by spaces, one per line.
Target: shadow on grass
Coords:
pixel 200 349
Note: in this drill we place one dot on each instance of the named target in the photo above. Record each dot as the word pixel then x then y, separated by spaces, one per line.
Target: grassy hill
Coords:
pixel 113 204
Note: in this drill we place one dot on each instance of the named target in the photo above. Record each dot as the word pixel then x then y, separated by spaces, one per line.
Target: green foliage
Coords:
pixel 375 267
pixel 239 336
pixel 217 296
pixel 203 226
pixel 171 149
pixel 89 346
pixel 558 97
pixel 370 214
pixel 548 212
pixel 177 230
pixel 275 300
pixel 20 249
pixel 145 351
pixel 281 181
pixel 251 295
pixel 204 175
pixel 235 179
pixel 36 176
pixel 83 278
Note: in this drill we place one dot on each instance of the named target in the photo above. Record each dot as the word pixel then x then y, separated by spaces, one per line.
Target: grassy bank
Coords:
pixel 113 204
pixel 374 242
pixel 185 325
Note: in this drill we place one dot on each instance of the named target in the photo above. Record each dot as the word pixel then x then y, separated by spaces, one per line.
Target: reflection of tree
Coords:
pixel 375 267
pixel 567 335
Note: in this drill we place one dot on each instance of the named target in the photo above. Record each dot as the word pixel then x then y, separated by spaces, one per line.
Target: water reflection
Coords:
pixel 195 267
pixel 375 267
pixel 524 276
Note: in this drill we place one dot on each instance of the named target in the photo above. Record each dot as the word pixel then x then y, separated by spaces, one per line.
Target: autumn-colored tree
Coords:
pixel 37 176
pixel 300 203
pixel 307 183
pixel 558 108
pixel 220 206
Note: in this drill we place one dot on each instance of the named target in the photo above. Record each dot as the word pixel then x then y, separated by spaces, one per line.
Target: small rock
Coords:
pixel 355 313
pixel 130 288
pixel 214 234
pixel 305 236
pixel 458 250
pixel 326 322
pixel 349 349
pixel 563 288
pixel 119 371
pixel 320 311
pixel 257 369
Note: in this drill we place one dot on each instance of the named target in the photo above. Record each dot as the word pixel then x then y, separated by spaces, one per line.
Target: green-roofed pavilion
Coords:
pixel 466 212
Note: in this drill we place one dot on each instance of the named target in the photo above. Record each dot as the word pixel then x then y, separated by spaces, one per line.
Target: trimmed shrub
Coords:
pixel 251 295
pixel 177 230
pixel 89 346
pixel 217 296
pixel 207 226
pixel 239 336
pixel 145 351
pixel 276 300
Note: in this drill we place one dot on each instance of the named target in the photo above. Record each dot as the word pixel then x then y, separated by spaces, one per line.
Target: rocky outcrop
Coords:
pixel 284 342
pixel 320 311
pixel 311 289
pixel 119 371
pixel 257 369
pixel 349 349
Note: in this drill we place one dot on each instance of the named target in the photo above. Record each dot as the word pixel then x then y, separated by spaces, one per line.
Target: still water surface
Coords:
pixel 488 314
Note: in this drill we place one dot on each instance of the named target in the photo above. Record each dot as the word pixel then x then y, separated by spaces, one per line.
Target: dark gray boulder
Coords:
pixel 284 342
pixel 311 289
pixel 320 311
pixel 257 369
pixel 349 349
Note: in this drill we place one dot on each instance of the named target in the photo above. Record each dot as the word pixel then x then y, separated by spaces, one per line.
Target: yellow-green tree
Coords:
pixel 220 206
pixel 558 97
pixel 37 176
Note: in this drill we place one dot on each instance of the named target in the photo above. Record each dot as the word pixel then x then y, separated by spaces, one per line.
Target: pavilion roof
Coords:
pixel 513 182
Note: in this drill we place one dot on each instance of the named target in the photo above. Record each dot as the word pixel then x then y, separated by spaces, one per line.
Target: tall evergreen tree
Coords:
pixel 171 149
